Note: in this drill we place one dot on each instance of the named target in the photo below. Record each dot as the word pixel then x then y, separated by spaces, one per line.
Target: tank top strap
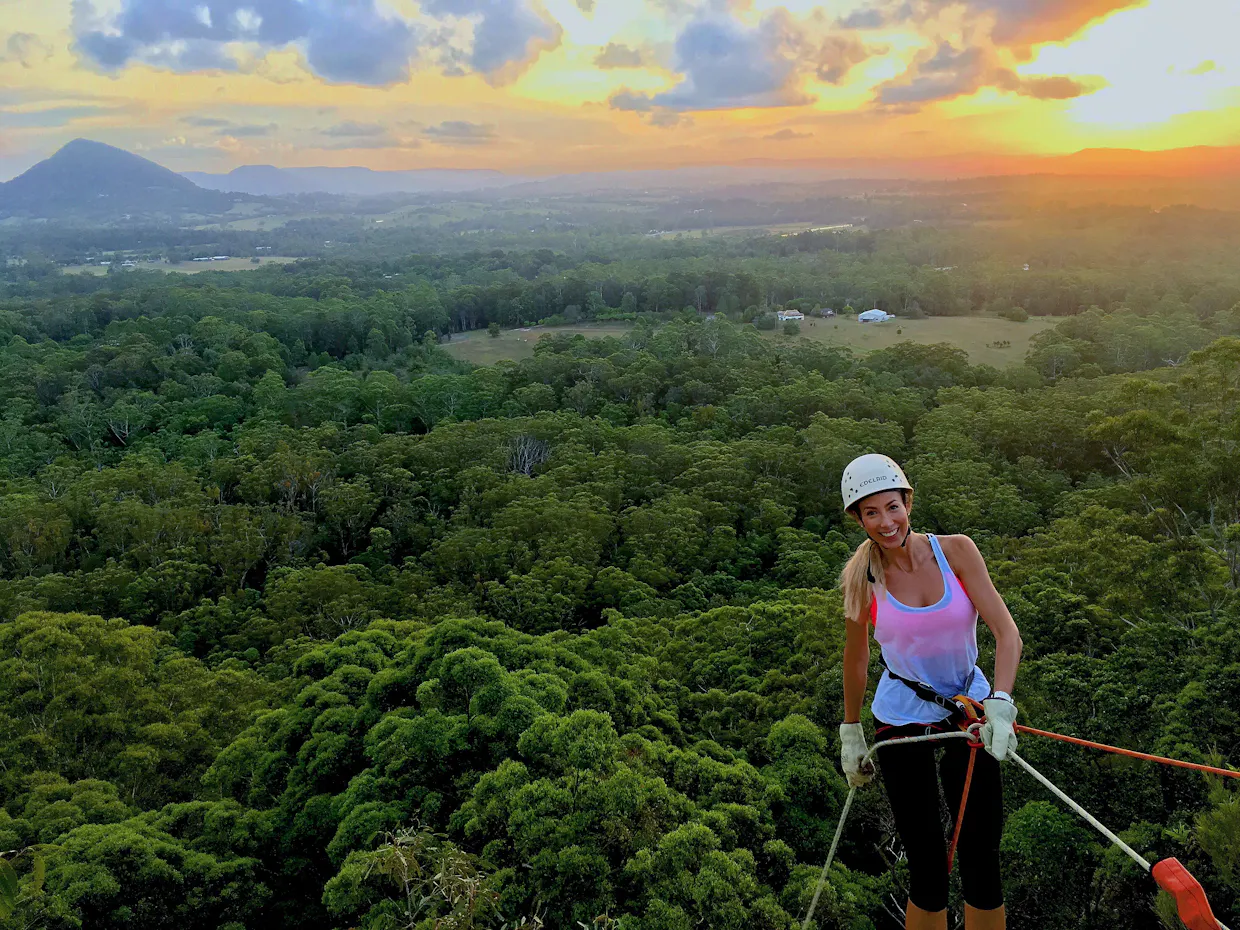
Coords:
pixel 941 559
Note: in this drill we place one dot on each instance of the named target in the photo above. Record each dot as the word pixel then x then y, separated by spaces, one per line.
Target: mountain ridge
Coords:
pixel 91 179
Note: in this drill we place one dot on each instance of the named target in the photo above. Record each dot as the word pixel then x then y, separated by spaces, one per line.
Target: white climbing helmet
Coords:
pixel 870 474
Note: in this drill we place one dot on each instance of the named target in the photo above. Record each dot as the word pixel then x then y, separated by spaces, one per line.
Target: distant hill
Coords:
pixel 266 180
pixel 90 180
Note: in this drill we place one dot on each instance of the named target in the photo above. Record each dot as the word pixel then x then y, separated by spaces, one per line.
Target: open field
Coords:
pixel 515 344
pixel 977 335
pixel 232 264
pixel 981 337
pixel 772 229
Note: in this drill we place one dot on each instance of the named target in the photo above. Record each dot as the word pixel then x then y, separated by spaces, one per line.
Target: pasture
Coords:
pixel 479 348
pixel 987 340
pixel 231 264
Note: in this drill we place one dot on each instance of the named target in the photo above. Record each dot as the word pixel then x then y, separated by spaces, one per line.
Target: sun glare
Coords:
pixel 1160 61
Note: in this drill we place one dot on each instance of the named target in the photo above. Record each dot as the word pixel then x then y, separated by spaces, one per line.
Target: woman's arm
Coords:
pixel 856 668
pixel 970 567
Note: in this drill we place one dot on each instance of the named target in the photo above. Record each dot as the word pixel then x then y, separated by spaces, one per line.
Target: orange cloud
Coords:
pixel 1021 24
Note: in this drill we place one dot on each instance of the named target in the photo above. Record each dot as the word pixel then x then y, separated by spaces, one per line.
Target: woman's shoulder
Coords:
pixel 959 550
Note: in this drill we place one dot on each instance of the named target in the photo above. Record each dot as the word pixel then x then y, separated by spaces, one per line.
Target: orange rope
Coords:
pixel 964 798
pixel 1020 727
pixel 973 714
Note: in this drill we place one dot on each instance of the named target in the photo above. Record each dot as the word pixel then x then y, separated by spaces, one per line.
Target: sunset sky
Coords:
pixel 547 86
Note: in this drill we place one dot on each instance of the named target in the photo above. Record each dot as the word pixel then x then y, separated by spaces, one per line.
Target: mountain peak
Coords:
pixel 92 178
pixel 87 145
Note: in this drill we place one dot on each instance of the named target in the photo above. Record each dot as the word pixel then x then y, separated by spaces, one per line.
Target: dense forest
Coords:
pixel 305 624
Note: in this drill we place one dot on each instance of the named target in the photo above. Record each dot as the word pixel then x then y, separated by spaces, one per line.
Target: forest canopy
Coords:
pixel 304 623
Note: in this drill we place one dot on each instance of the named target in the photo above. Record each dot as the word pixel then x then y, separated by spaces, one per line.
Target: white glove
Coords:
pixel 852 755
pixel 998 732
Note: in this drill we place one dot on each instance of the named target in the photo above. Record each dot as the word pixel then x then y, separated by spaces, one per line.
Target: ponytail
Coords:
pixel 862 574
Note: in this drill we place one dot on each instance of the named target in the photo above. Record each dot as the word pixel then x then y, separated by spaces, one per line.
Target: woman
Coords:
pixel 923 595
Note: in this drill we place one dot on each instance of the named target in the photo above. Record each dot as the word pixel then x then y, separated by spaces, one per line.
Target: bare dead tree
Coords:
pixel 525 453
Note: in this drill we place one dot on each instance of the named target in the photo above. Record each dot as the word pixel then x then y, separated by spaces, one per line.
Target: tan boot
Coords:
pixel 917 919
pixel 995 919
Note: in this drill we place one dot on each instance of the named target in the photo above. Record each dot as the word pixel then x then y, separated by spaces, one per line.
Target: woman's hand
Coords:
pixel 853 752
pixel 999 730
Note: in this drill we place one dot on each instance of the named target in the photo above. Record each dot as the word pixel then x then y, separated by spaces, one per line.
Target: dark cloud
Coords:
pixel 727 66
pixel 248 132
pixel 837 55
pixel 864 19
pixel 1044 88
pixel 26 49
pixel 1021 23
pixel 386 140
pixel 619 56
pixel 669 119
pixel 205 122
pixel 627 100
pixel 460 132
pixel 662 117
pixel 1017 24
pixel 787 135
pixel 955 73
pixel 350 130
pixel 949 73
pixel 508 34
pixel 586 6
pixel 345 41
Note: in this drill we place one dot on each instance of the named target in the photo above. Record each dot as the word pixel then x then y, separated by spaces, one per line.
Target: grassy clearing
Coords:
pixel 981 337
pixel 232 264
pixel 772 229
pixel 479 348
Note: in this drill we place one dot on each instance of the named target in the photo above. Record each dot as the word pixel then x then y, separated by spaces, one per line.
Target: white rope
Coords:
pixel 822 879
pixel 1046 782
pixel 1097 824
pixel 839 830
pixel 1093 821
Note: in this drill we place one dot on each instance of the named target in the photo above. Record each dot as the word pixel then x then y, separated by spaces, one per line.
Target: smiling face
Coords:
pixel 885 517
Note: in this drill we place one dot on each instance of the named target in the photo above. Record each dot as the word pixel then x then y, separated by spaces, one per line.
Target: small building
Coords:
pixel 220 258
pixel 875 316
pixel 794 316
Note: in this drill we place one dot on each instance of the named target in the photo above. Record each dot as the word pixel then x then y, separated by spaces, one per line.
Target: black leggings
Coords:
pixel 912 787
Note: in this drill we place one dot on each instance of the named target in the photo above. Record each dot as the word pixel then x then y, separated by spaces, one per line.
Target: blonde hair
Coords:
pixel 863 574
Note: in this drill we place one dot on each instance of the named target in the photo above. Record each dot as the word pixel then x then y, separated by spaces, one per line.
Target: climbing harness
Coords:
pixel 964 712
pixel 1170 874
pixel 956 707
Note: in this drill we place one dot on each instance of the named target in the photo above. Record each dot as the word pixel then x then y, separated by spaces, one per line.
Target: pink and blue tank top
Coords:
pixel 935 645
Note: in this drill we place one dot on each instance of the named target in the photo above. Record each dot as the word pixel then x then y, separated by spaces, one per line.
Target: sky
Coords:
pixel 538 87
